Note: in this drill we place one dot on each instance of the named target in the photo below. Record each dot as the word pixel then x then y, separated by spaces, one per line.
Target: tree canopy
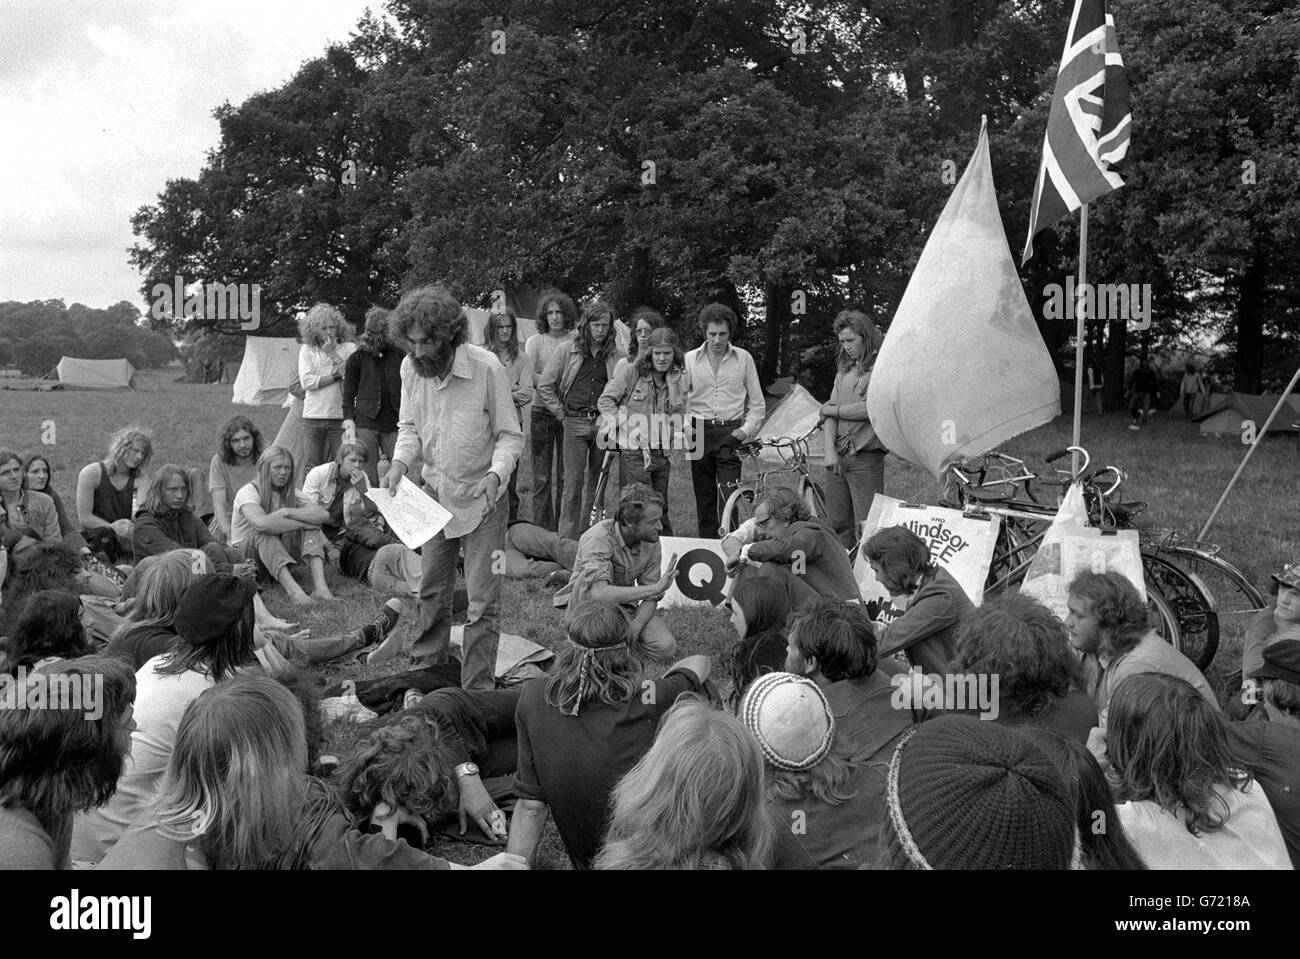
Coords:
pixel 786 158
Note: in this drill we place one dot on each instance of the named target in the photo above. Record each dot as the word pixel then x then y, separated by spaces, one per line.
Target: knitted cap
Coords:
pixel 211 605
pixel 790 718
pixel 964 793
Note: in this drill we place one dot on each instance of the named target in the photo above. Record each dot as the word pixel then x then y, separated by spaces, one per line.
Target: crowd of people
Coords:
pixel 203 750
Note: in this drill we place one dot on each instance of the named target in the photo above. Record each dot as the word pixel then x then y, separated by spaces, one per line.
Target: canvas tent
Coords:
pixel 78 374
pixel 1230 413
pixel 269 368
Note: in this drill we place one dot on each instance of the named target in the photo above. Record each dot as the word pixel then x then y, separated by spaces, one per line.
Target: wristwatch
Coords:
pixel 466 769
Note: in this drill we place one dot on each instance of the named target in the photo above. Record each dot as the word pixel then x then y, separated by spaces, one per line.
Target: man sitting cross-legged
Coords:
pixel 582 727
pixel 618 562
pixel 272 523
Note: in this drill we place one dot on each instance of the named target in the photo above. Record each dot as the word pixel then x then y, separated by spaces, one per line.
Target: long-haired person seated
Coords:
pixel 1183 800
pixel 760 616
pixel 109 491
pixel 584 726
pixel 60 760
pixel 936 604
pixel 236 795
pixel 694 801
pixel 273 524
pixel 27 518
pixel 214 640
pixel 38 477
pixel 1102 840
pixel 48 630
pixel 166 522
pixel 233 466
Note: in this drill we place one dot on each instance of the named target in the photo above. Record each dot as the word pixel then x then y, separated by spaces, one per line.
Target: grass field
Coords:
pixel 1170 465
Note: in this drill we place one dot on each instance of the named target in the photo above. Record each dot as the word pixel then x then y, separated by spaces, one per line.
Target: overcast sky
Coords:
pixel 103 101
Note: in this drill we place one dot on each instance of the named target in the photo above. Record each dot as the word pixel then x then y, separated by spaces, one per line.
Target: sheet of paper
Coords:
pixel 413 515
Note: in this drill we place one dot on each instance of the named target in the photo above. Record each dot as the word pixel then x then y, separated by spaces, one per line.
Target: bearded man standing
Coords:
pixel 458 419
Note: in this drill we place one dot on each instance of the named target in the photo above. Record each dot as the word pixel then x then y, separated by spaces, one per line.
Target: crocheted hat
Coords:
pixel 964 793
pixel 790 718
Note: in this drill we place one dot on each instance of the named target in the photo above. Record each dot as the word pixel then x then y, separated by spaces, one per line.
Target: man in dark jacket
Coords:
pixel 834 645
pixel 800 550
pixel 166 522
pixel 1268 744
pixel 372 392
pixel 936 604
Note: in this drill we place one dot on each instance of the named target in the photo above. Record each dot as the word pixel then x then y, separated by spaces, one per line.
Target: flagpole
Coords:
pixel 1080 332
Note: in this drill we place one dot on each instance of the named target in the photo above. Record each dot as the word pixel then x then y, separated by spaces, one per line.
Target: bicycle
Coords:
pixel 794 456
pixel 1187 610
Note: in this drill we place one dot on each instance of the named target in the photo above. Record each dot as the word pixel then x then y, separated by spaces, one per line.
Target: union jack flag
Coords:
pixel 1088 126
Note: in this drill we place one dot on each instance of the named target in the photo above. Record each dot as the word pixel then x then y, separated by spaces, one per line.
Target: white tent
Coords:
pixel 269 368
pixel 96 374
pixel 1230 414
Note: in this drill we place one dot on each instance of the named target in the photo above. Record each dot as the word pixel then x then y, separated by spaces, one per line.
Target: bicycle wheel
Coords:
pixel 1011 554
pixel 1192 604
pixel 1163 619
pixel 739 507
pixel 1233 591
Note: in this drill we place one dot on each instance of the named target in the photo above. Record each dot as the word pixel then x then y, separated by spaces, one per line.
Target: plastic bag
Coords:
pixel 1071 547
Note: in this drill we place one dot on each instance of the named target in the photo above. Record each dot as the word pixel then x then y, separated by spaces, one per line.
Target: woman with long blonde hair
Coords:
pixel 327 341
pixel 271 522
pixel 695 800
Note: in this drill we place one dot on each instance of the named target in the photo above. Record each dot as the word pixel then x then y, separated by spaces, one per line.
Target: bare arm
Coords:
pixel 526 827
pixel 87 480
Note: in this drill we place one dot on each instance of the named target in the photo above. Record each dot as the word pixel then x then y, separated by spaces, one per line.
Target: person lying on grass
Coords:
pixel 426 765
pixel 236 795
pixel 274 524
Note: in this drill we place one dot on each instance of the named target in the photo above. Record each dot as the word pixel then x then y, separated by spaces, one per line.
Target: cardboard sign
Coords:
pixel 701 571
pixel 961 544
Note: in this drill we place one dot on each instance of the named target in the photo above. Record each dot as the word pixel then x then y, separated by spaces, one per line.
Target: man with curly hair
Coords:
pixel 1107 621
pixel 457 419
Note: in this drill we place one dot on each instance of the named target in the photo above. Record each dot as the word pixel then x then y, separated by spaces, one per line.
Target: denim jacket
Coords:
pixel 634 393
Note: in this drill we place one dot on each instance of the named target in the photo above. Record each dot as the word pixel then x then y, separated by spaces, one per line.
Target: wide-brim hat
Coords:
pixel 211 605
pixel 1281 661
